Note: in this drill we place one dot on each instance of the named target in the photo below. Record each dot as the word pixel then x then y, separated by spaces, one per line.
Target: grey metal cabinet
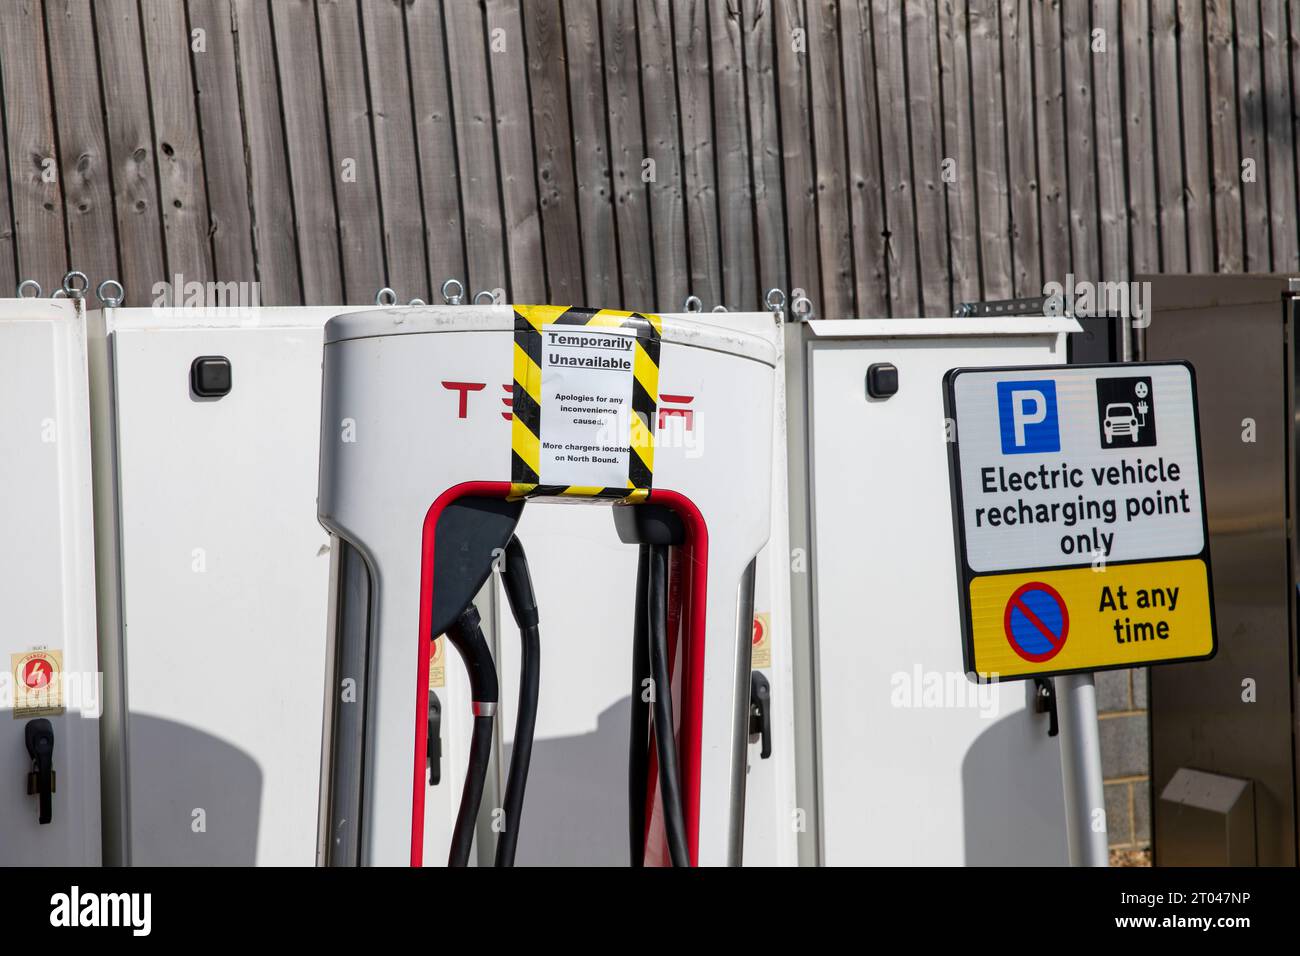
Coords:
pixel 1233 717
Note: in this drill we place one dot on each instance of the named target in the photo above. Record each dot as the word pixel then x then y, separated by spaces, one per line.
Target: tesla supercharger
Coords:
pixel 554 408
pixel 213 582
pixel 582 724
pixel 902 758
pixel 49 685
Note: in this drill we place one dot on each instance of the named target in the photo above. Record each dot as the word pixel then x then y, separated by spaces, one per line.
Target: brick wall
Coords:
pixel 1125 756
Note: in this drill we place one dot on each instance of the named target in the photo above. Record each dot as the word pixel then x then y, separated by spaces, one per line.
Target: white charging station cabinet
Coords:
pixel 47 590
pixel 213 582
pixel 576 811
pixel 384 485
pixel 902 759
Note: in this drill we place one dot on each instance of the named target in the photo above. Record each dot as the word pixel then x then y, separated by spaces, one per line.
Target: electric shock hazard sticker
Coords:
pixel 586 388
pixel 1080 518
pixel 438 662
pixel 761 651
pixel 37 683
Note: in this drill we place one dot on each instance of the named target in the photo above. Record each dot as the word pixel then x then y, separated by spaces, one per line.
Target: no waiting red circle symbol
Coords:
pixel 1036 622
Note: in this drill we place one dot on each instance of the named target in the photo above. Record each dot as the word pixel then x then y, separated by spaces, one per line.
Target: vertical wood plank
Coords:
pixel 557 190
pixel 1144 226
pixel 585 61
pixel 8 251
pixel 438 143
pixel 627 152
pixel 960 186
pixel 871 176
pixel 396 160
pixel 790 40
pixel 271 197
pixel 731 134
pixel 35 177
pixel 1279 107
pixel 1026 243
pixel 1196 136
pixel 216 76
pixel 177 145
pixel 1222 79
pixel 1052 145
pixel 142 260
pixel 514 142
pixel 1250 125
pixel 83 148
pixel 471 92
pixel 82 145
pixel 1080 141
pixel 309 170
pixel 352 165
pixel 834 225
pixel 663 148
pixel 1168 136
pixel 1293 82
pixel 765 144
pixel 695 106
pixel 990 149
pixel 881 32
pixel 1107 75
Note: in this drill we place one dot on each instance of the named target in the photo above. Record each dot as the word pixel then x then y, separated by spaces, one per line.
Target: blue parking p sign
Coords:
pixel 1027 417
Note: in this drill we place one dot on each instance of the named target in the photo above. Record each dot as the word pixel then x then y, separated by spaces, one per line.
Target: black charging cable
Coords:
pixel 466 635
pixel 518 586
pixel 670 787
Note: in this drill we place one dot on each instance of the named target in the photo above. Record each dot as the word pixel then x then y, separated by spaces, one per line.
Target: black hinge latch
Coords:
pixel 433 745
pixel 760 711
pixel 40 781
pixel 1045 703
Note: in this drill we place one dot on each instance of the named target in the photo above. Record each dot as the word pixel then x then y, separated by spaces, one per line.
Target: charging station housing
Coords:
pixel 47 586
pixel 902 760
pixel 213 582
pixel 394 456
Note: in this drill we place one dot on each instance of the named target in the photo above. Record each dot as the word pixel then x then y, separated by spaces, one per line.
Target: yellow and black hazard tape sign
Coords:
pixel 526 432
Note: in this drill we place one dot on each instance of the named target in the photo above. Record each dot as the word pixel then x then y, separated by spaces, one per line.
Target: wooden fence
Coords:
pixel 888 157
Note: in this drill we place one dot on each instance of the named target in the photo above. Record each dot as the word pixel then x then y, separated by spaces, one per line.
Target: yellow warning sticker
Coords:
pixel 37 683
pixel 584 399
pixel 762 656
pixel 438 663
pixel 1048 622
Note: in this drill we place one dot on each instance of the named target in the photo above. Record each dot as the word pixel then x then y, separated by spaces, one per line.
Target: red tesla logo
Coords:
pixel 686 414
pixel 666 409
pixel 464 388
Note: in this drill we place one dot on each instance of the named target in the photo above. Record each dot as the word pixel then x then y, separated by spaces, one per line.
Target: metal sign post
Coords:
pixel 1085 798
pixel 1080 525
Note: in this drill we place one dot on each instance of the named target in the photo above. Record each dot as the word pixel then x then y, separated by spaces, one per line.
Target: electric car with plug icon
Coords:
pixel 1121 419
